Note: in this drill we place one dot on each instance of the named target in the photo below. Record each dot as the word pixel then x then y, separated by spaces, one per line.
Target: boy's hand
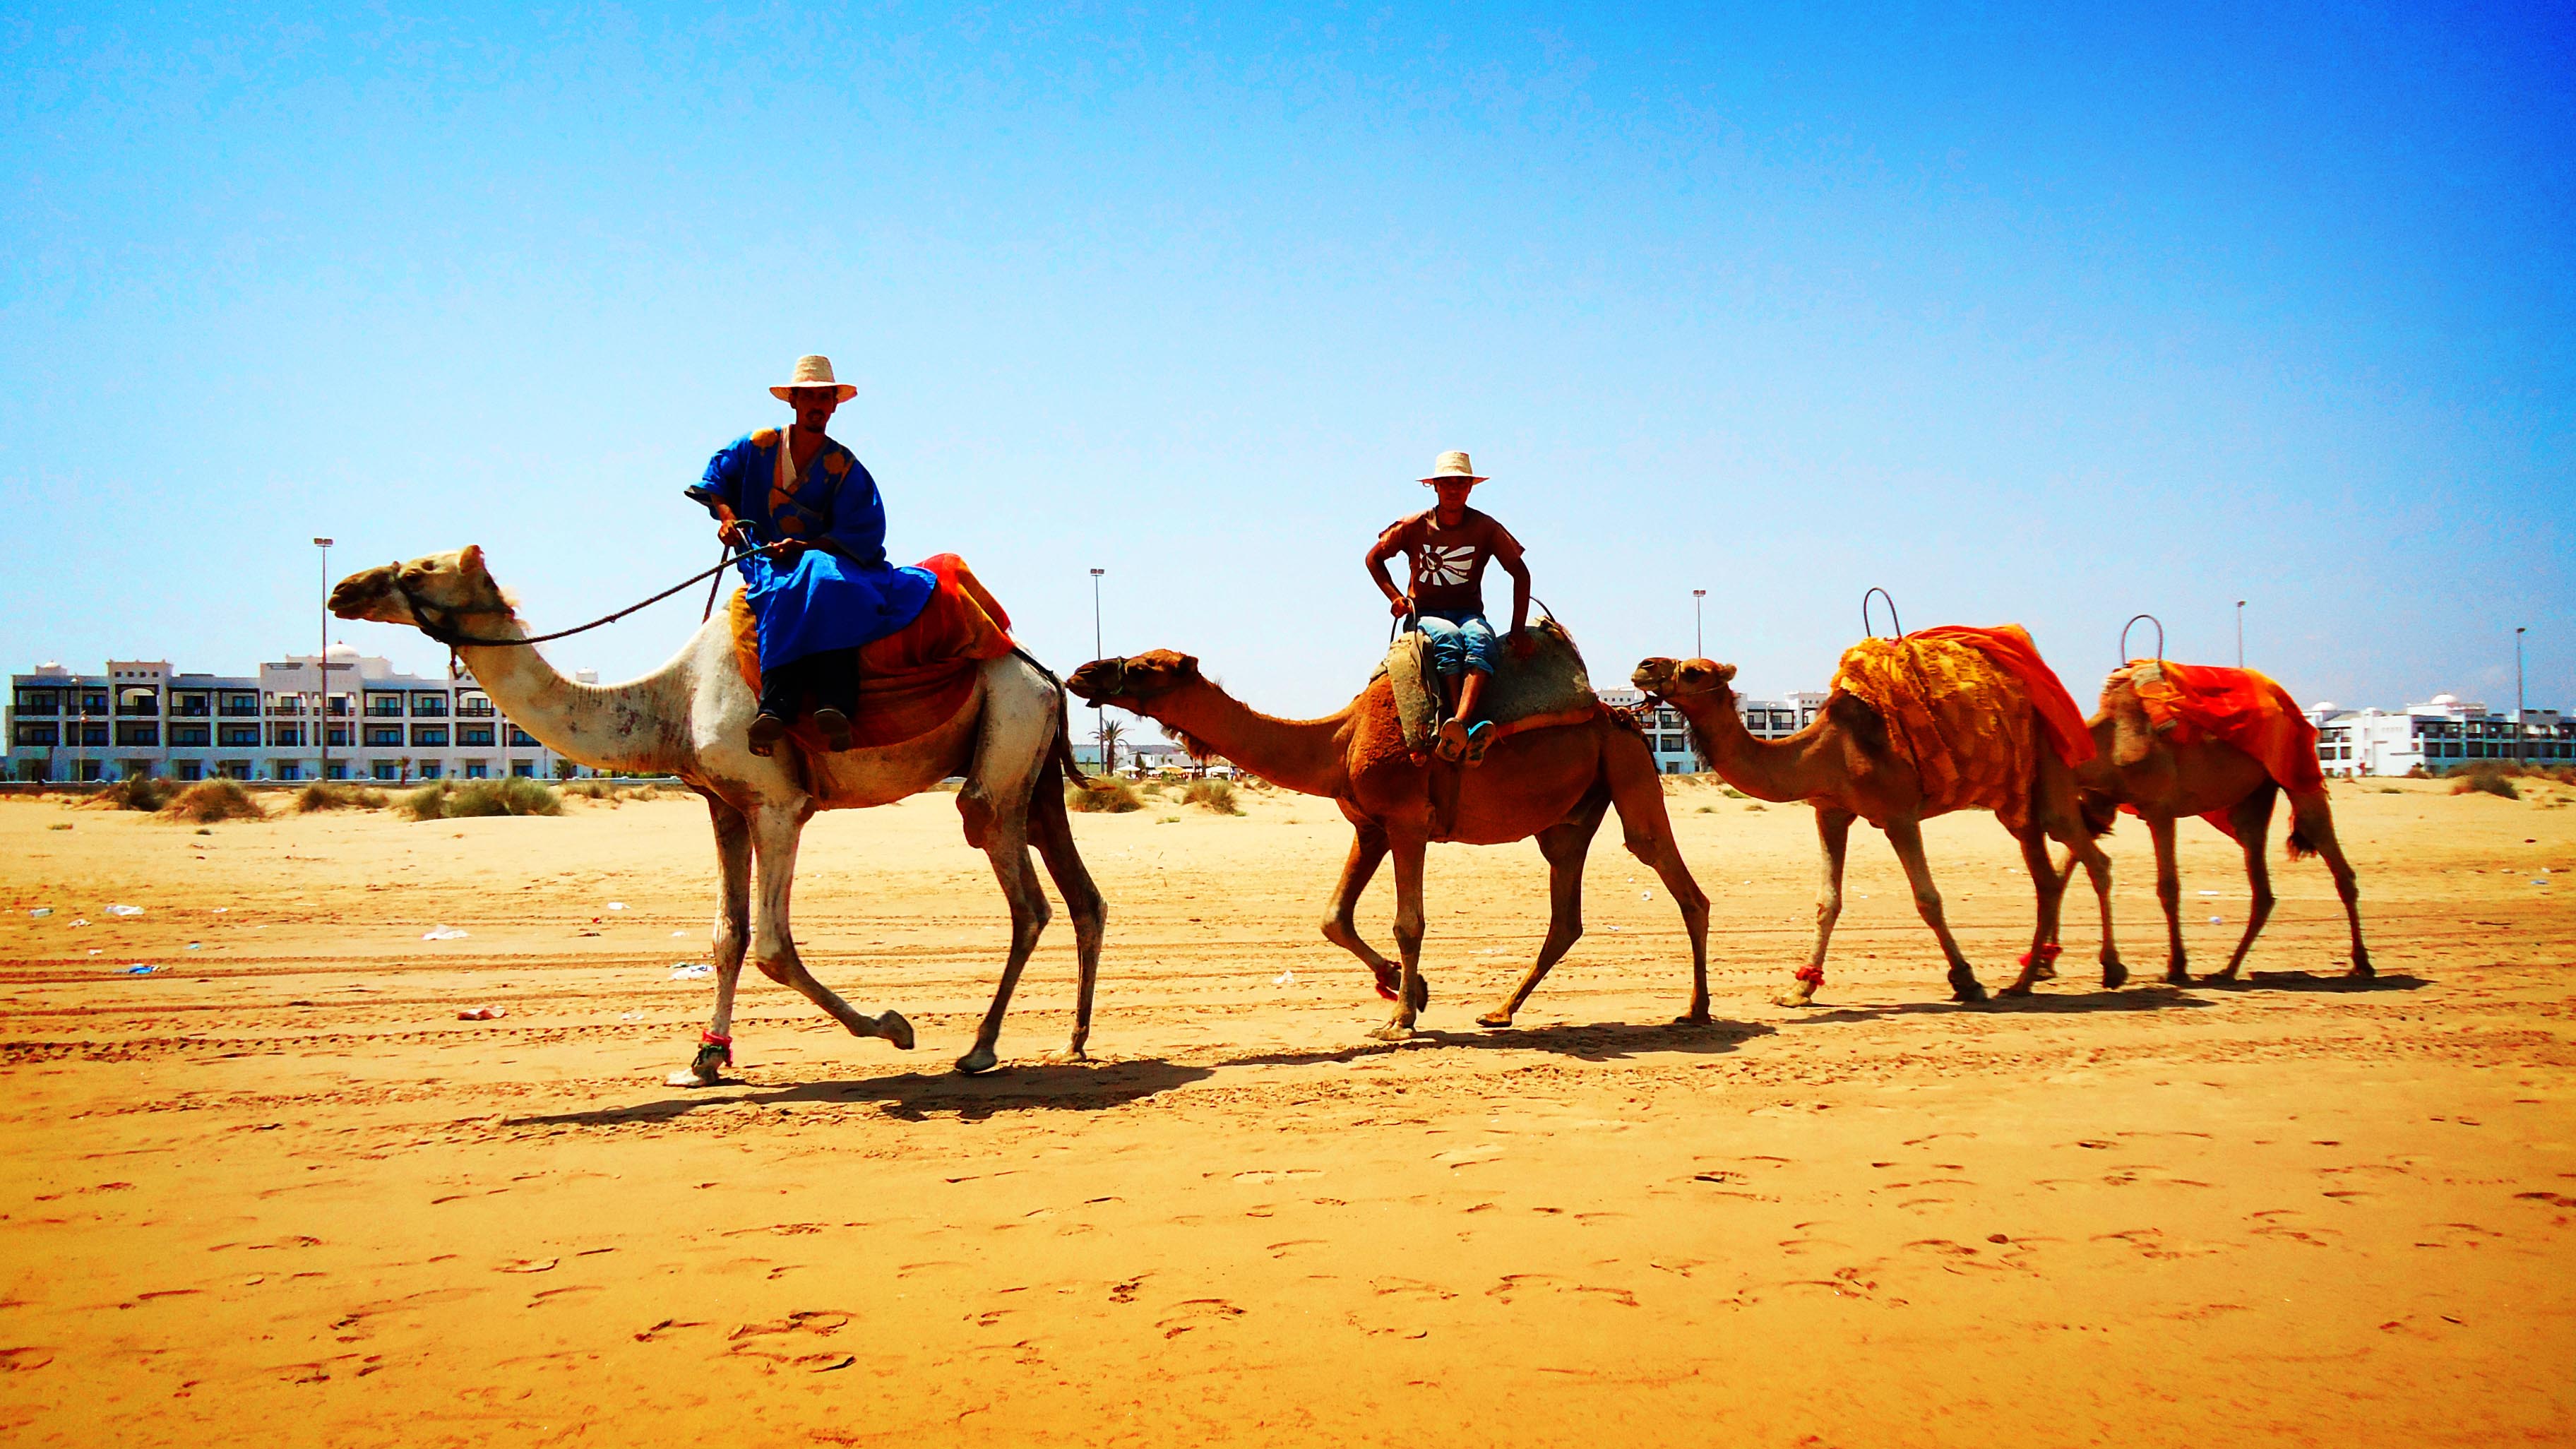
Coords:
pixel 1522 643
pixel 733 535
pixel 1400 605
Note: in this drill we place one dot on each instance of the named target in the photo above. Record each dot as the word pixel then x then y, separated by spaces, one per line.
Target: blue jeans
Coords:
pixel 1458 644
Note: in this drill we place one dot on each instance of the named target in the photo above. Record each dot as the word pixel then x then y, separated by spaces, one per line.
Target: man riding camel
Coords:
pixel 1448 547
pixel 825 589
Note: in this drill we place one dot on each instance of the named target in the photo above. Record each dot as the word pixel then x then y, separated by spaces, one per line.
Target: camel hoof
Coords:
pixel 1393 1031
pixel 895 1030
pixel 1794 998
pixel 2177 977
pixel 2218 978
pixel 2361 971
pixel 1967 993
pixel 688 1077
pixel 1495 1019
pixel 1698 1017
pixel 2018 988
pixel 980 1060
pixel 2114 976
pixel 1068 1055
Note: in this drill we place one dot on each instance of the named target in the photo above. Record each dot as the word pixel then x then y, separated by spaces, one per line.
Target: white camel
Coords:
pixel 692 718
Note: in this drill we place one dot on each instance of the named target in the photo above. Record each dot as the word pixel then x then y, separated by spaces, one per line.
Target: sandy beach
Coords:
pixel 276 1190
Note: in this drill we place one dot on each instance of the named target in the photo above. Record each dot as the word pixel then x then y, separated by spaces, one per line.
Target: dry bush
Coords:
pixel 142 792
pixel 208 801
pixel 321 796
pixel 517 795
pixel 2487 777
pixel 1215 795
pixel 429 802
pixel 1104 795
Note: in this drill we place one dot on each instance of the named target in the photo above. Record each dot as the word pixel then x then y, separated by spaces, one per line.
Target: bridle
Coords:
pixel 439 621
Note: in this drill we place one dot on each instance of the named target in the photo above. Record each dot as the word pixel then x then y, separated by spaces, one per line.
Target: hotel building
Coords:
pixel 2441 734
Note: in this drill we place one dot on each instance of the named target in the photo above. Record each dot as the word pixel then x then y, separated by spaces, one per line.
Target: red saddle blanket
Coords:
pixel 913 680
pixel 2244 707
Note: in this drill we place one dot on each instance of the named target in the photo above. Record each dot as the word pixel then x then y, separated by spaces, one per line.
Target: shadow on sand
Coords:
pixel 1602 1042
pixel 2156 996
pixel 916 1096
pixel 2310 981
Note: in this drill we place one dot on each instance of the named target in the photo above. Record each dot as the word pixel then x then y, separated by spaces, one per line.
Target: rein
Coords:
pixel 439 621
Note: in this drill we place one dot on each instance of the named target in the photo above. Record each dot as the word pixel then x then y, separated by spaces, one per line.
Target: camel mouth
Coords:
pixel 1099 680
pixel 355 596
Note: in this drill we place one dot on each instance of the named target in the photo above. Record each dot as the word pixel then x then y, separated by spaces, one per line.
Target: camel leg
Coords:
pixel 1833 833
pixel 1907 838
pixel 2048 883
pixel 1006 845
pixel 1408 931
pixel 2312 822
pixel 2160 828
pixel 1639 793
pixel 2097 869
pixel 1053 834
pixel 732 937
pixel 774 833
pixel 1564 844
pixel 1368 849
pixel 2252 817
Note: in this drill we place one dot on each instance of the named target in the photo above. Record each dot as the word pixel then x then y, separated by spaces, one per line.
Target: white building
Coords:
pixel 139 718
pixel 2443 733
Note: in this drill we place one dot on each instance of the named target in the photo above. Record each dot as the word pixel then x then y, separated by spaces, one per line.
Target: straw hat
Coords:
pixel 812 370
pixel 1454 465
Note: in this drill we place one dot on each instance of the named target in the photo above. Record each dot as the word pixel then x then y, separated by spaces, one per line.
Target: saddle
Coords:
pixel 913 680
pixel 1551 681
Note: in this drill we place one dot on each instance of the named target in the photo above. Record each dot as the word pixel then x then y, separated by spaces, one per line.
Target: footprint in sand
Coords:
pixel 1197 1313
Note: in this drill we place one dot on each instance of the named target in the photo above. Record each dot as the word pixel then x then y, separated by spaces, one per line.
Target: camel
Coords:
pixel 692 718
pixel 1844 765
pixel 1553 782
pixel 2164 781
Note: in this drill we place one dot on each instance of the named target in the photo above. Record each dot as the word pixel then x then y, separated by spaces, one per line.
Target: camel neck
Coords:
pixel 1763 769
pixel 612 727
pixel 1305 755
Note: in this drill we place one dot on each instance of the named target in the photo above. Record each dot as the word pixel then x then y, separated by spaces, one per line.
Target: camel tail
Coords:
pixel 2100 814
pixel 2299 845
pixel 1063 758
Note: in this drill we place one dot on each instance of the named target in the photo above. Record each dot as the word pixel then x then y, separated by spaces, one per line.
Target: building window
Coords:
pixel 237 736
pixel 93 701
pixel 187 736
pixel 385 770
pixel 29 732
pixel 140 734
pixel 40 701
pixel 287 736
pixel 477 769
pixel 235 769
pixel 189 771
pixel 381 735
pixel 384 706
pixel 94 735
pixel 289 770
pixel 425 705
pixel 429 769
pixel 429 737
pixel 467 734
pixel 474 705
pixel 340 736
pixel 138 701
pixel 239 704
pixel 523 769
pixel 522 740
pixel 339 770
pixel 192 703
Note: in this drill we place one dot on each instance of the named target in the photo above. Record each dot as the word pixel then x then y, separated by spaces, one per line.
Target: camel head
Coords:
pixel 1133 684
pixel 1685 679
pixel 452 585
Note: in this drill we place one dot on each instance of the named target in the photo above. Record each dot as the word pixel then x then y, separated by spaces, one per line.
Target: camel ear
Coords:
pixel 2131 736
pixel 1188 668
pixel 469 562
pixel 1725 673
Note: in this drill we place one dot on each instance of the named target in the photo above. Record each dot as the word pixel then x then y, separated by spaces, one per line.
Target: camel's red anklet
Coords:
pixel 1812 975
pixel 2047 955
pixel 708 1038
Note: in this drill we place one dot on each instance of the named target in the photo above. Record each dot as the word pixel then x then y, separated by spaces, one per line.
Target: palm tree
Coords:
pixel 1107 736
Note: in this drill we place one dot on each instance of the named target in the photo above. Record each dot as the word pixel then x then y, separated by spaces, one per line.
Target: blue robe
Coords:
pixel 838 593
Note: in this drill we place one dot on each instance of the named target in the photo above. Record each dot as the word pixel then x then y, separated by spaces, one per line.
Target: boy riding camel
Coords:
pixel 1448 546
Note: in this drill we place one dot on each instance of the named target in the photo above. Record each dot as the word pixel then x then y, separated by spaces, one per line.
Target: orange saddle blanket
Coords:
pixel 2244 707
pixel 913 680
pixel 1971 708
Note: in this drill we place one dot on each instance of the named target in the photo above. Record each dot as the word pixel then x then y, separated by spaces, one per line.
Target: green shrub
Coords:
pixel 429 802
pixel 320 796
pixel 527 796
pixel 1216 795
pixel 208 801
pixel 517 795
pixel 1104 795
pixel 2485 777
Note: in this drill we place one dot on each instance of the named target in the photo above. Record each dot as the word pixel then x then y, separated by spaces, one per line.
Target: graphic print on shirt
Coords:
pixel 1445 564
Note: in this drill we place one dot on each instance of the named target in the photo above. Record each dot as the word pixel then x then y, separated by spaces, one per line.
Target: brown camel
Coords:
pixel 1844 765
pixel 1553 783
pixel 2164 781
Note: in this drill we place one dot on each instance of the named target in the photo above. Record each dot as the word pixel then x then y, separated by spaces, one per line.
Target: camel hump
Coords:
pixel 1551 681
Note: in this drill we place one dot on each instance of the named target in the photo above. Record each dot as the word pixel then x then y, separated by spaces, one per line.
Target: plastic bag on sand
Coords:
pixel 690 970
pixel 482 1013
pixel 1284 978
pixel 41 912
pixel 442 933
pixel 125 910
pixel 140 969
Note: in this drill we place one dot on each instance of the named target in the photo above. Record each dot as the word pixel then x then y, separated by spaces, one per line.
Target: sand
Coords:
pixel 277 1191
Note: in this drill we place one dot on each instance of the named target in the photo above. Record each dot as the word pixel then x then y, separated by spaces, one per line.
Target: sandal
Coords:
pixel 766 731
pixel 1479 736
pixel 834 727
pixel 1451 741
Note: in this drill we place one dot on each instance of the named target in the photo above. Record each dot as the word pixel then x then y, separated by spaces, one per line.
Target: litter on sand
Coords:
pixel 1645 895
pixel 482 1013
pixel 125 910
pixel 41 912
pixel 442 933
pixel 1284 978
pixel 2214 920
pixel 80 920
pixel 690 970
pixel 617 905
pixel 140 969
pixel 2209 893
pixel 679 935
pixel 196 945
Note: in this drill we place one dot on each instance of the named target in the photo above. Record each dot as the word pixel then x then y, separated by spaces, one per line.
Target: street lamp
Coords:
pixel 2521 732
pixel 1099 713
pixel 322 668
pixel 2240 633
pixel 1699 649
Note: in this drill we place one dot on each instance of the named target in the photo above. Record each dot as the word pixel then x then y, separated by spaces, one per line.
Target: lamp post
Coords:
pixel 322 669
pixel 2240 633
pixel 1099 713
pixel 2520 731
pixel 1699 648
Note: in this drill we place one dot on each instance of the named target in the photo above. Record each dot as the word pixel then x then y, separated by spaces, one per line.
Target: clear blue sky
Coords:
pixel 2027 315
